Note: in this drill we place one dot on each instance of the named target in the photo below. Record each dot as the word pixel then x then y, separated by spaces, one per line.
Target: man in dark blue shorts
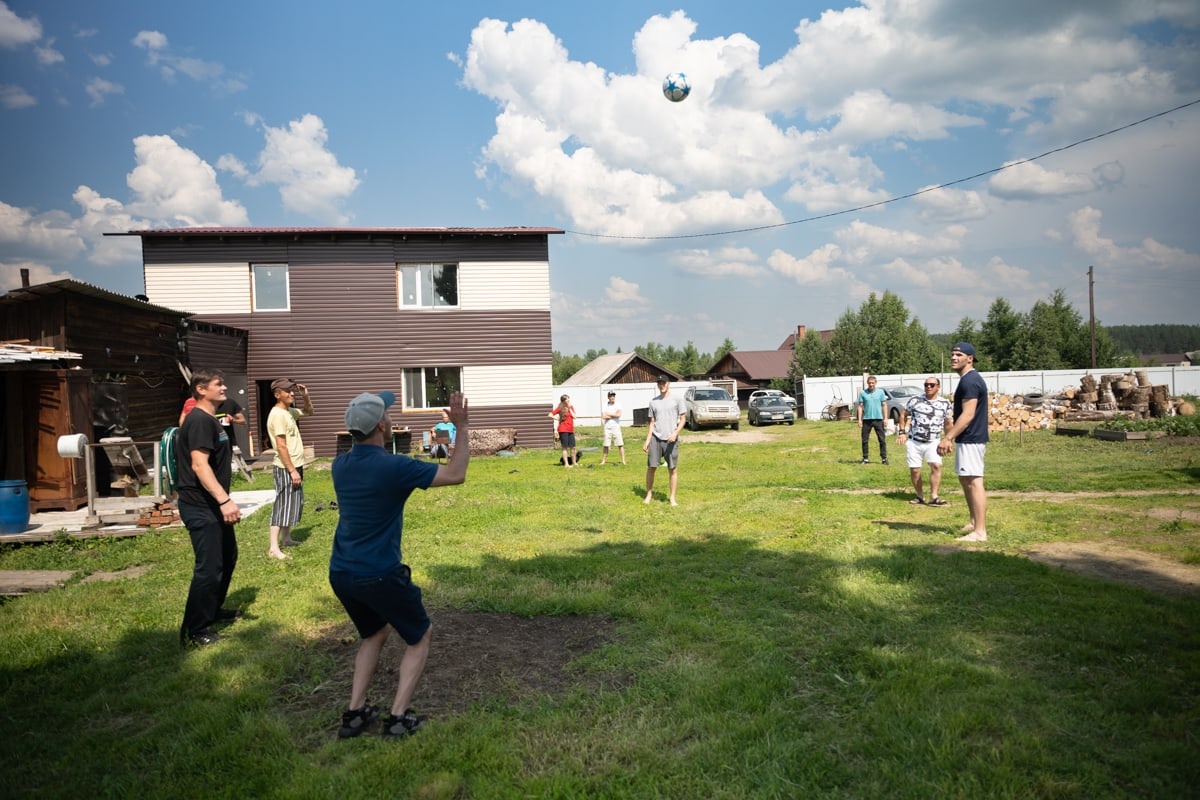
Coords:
pixel 366 570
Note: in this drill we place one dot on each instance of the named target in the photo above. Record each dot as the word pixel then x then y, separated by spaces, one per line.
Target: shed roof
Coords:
pixel 26 294
pixel 756 365
pixel 603 369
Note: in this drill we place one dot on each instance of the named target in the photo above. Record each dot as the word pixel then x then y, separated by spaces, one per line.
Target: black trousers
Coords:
pixel 215 546
pixel 876 425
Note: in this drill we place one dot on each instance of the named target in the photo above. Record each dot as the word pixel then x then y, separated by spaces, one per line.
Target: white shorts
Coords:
pixel 915 451
pixel 612 436
pixel 968 460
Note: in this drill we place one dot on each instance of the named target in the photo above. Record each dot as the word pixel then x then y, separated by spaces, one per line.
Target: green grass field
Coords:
pixel 793 629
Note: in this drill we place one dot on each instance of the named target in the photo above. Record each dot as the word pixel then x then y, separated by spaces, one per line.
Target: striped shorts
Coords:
pixel 289 500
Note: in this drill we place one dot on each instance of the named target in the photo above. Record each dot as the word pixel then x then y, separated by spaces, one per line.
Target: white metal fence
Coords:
pixel 820 392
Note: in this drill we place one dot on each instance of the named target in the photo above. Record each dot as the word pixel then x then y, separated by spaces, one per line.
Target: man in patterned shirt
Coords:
pixel 921 422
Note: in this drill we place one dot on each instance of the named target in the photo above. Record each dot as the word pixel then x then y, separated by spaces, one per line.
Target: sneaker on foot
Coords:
pixel 404 725
pixel 355 722
pixel 229 614
pixel 884 462
pixel 203 638
pixel 865 461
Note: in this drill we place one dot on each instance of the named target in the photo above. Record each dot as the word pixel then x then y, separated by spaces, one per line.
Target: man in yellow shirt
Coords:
pixel 284 434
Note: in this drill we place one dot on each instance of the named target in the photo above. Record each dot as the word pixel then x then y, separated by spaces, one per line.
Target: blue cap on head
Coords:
pixel 366 410
pixel 966 348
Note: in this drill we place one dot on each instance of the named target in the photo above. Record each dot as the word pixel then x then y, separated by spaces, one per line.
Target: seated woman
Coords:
pixel 446 427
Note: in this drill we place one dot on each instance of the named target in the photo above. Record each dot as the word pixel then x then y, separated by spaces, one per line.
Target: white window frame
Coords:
pixel 287 287
pixel 424 280
pixel 417 379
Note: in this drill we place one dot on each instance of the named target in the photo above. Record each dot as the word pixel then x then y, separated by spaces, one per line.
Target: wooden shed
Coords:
pixel 127 378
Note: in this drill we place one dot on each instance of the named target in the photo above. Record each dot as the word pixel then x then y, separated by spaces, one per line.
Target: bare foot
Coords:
pixel 282 556
pixel 673 502
pixel 647 500
pixel 968 528
pixel 973 536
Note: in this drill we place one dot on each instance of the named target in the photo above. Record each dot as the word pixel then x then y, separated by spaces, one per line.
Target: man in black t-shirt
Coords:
pixel 204 460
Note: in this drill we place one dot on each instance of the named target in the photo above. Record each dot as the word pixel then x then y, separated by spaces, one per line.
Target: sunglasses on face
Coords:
pixel 930 384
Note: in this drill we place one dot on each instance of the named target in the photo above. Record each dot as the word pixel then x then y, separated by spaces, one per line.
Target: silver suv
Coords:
pixel 710 407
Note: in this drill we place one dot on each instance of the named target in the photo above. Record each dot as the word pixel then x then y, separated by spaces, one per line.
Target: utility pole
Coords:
pixel 1092 310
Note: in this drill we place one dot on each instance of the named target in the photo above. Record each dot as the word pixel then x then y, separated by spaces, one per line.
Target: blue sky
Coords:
pixel 120 116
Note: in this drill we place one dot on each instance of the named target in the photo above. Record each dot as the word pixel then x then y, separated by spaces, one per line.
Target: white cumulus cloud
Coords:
pixel 297 159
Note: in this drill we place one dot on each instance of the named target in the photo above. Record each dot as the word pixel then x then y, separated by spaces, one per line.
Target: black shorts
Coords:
pixel 378 600
pixel 567 439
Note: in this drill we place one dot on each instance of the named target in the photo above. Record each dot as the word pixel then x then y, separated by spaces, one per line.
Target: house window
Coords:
pixel 430 387
pixel 270 287
pixel 428 285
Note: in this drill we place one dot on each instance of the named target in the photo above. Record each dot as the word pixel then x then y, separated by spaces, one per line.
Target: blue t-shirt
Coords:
pixel 872 403
pixel 972 386
pixel 447 426
pixel 372 486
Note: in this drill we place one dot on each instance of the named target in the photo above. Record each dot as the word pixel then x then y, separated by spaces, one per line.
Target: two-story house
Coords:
pixel 421 312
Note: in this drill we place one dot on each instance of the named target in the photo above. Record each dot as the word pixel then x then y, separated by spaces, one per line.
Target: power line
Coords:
pixel 889 200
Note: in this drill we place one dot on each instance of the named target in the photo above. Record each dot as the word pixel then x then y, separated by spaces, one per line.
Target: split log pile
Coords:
pixel 1017 412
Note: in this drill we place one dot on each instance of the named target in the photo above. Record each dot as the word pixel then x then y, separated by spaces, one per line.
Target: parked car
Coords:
pixel 791 401
pixel 770 409
pixel 897 399
pixel 711 407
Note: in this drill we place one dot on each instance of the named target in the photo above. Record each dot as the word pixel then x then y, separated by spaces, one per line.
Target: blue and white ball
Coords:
pixel 676 87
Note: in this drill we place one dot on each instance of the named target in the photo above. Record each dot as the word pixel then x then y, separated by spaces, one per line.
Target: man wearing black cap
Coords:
pixel 969 436
pixel 366 570
pixel 668 413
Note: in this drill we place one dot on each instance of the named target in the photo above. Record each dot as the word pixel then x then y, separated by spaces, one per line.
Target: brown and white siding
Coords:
pixel 346 333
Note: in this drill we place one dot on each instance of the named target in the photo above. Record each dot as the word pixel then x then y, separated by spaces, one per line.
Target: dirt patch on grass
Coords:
pixel 478 658
pixel 1115 563
pixel 723 436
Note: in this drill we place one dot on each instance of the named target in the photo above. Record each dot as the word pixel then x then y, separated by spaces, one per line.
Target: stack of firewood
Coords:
pixel 1018 412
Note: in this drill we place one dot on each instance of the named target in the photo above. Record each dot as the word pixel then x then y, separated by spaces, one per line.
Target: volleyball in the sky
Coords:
pixel 676 87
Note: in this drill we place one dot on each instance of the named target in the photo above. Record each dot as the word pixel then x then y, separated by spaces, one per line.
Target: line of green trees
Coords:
pixel 882 337
pixel 1156 339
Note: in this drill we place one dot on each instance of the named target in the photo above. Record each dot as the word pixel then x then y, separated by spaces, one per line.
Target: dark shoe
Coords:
pixel 229 614
pixel 404 725
pixel 865 461
pixel 355 722
pixel 885 462
pixel 204 638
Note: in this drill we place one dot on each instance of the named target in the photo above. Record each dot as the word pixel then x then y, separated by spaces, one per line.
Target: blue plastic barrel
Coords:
pixel 14 507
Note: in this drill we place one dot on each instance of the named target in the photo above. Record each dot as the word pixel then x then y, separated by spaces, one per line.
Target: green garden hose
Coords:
pixel 166 455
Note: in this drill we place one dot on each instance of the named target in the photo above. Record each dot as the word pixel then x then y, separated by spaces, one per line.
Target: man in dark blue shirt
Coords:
pixel 366 569
pixel 969 435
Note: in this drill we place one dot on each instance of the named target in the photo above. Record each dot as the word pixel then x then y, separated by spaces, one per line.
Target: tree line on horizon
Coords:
pixel 882 337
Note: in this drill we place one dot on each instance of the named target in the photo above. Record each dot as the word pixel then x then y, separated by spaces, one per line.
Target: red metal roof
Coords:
pixel 267 231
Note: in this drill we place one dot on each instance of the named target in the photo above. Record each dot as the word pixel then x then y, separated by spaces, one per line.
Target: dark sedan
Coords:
pixel 768 410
